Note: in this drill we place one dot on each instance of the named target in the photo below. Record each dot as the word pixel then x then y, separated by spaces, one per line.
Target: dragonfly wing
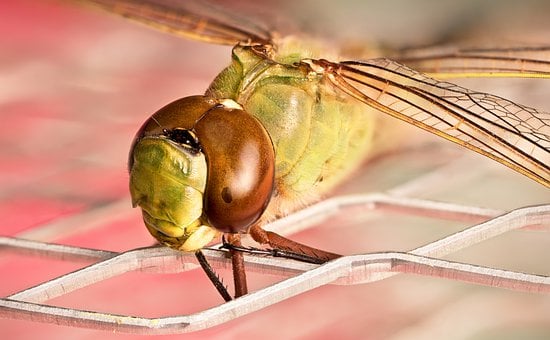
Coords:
pixel 202 21
pixel 451 62
pixel 512 134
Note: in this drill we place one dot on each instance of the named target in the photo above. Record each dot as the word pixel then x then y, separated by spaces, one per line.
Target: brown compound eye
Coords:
pixel 241 168
pixel 180 114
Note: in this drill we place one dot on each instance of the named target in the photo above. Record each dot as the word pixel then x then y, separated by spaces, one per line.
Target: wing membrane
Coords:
pixel 496 62
pixel 512 134
pixel 199 22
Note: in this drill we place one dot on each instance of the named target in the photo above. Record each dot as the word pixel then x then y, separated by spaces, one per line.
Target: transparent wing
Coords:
pixel 199 21
pixel 451 62
pixel 512 134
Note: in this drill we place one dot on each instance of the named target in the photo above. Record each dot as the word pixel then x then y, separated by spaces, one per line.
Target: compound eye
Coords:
pixel 181 114
pixel 241 168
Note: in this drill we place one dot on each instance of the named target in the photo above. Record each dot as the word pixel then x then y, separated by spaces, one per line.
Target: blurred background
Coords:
pixel 75 85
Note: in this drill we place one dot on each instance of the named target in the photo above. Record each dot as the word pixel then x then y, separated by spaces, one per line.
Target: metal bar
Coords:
pixel 60 251
pixel 351 269
pixel 348 270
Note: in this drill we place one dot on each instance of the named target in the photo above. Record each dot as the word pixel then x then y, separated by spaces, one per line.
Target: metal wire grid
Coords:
pixel 32 304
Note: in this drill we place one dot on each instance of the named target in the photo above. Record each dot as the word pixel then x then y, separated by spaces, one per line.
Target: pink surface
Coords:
pixel 74 87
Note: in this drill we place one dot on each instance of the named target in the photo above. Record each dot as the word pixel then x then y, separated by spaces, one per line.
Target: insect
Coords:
pixel 282 125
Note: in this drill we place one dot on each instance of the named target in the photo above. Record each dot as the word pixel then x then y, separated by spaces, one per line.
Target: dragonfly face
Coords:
pixel 198 167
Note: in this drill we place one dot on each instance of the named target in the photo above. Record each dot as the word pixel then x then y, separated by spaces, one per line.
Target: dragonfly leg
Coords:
pixel 237 261
pixel 212 276
pixel 279 242
pixel 273 252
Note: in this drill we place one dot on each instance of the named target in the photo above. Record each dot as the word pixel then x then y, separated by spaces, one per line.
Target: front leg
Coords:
pixel 277 241
pixel 237 260
pixel 218 284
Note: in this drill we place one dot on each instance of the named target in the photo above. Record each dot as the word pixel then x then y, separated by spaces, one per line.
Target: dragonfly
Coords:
pixel 285 123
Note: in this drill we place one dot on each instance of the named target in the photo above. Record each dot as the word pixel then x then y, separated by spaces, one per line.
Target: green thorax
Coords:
pixel 318 133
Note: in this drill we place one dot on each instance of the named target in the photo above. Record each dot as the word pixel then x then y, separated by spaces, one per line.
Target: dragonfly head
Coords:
pixel 198 167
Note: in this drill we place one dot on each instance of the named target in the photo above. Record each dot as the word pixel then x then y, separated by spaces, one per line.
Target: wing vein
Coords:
pixel 512 134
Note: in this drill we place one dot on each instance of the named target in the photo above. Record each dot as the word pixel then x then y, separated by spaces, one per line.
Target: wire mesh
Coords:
pixel 348 270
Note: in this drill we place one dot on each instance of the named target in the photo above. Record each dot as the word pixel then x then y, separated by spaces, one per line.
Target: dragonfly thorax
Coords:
pixel 319 134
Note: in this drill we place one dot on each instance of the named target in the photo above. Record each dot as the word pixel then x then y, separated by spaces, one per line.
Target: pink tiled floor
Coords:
pixel 74 87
